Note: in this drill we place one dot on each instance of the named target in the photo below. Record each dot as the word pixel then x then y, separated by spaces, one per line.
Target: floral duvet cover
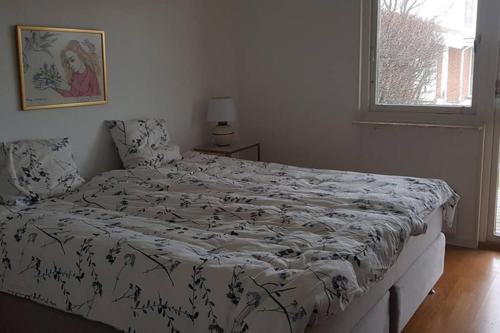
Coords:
pixel 213 244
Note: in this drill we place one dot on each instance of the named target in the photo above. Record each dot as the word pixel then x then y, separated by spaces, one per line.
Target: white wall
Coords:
pixel 299 84
pixel 450 154
pixel 298 76
pixel 163 59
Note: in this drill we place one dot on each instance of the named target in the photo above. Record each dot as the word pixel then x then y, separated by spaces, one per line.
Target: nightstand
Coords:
pixel 229 151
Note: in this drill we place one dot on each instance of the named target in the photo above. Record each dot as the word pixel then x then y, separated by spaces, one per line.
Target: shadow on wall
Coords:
pixel 101 149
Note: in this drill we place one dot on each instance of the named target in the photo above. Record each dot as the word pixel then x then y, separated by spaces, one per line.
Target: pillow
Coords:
pixel 31 170
pixel 143 143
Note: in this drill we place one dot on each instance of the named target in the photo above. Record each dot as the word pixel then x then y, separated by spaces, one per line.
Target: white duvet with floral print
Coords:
pixel 212 244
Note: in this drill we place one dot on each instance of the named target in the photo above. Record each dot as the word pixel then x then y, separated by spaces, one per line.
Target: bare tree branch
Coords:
pixel 405 7
pixel 409 49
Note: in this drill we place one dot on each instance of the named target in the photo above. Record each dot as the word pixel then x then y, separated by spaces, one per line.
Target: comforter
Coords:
pixel 213 244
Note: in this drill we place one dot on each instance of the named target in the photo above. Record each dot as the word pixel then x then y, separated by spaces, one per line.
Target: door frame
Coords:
pixel 491 165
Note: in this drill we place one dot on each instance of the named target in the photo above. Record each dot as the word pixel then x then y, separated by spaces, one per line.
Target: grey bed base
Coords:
pixel 395 302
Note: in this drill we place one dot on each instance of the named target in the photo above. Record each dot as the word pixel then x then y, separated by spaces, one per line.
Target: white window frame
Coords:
pixel 472 61
pixel 373 107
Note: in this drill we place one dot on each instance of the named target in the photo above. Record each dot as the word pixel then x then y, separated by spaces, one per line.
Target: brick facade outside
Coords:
pixel 454 75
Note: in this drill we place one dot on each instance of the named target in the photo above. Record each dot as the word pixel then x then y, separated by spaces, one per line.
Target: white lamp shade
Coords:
pixel 221 109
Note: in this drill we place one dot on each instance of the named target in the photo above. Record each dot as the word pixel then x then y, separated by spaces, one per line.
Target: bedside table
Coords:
pixel 229 151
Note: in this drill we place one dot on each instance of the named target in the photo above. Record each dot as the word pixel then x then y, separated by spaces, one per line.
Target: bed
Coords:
pixel 224 245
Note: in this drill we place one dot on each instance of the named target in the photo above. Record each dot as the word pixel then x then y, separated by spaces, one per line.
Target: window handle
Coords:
pixel 477 43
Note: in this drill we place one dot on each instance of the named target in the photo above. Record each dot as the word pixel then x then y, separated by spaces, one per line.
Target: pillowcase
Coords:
pixel 31 170
pixel 143 143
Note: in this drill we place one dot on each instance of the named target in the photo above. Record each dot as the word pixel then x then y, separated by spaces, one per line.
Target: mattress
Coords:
pixel 416 245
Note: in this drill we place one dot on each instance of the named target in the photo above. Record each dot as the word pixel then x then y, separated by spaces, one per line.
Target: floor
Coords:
pixel 467 298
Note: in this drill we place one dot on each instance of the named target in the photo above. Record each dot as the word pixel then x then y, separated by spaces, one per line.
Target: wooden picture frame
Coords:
pixel 61 67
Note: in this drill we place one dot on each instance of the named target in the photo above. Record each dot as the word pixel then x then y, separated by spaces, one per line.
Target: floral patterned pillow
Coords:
pixel 31 170
pixel 143 143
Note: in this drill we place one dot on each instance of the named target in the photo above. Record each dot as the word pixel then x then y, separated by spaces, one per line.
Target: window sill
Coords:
pixel 421 125
pixel 420 109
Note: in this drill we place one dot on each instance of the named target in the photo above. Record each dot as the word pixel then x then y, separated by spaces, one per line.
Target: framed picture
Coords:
pixel 61 68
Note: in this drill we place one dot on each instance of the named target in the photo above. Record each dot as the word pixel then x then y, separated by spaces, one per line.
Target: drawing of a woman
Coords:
pixel 81 69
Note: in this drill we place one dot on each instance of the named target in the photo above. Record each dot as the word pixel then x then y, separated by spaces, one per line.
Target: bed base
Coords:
pixel 413 287
pixel 24 316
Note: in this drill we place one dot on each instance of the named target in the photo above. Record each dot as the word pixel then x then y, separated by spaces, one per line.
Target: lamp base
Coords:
pixel 223 134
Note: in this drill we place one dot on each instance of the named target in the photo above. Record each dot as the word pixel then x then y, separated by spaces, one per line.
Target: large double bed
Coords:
pixel 214 244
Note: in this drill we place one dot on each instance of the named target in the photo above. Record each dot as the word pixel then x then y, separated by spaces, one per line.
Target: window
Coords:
pixel 424 53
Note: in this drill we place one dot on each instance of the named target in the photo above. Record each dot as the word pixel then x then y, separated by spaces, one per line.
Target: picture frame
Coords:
pixel 61 67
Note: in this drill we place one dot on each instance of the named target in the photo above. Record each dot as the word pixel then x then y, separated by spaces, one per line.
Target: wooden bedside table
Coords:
pixel 229 151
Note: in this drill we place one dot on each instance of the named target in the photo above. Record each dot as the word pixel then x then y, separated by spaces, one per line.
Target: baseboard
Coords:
pixel 461 243
pixel 490 246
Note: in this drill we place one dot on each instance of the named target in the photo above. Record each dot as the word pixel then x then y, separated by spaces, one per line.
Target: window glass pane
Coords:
pixel 425 52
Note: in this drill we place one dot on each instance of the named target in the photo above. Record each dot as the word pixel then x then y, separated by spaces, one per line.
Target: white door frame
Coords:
pixel 491 162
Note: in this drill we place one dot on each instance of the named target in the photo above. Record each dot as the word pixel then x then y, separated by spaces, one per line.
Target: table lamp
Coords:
pixel 222 110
